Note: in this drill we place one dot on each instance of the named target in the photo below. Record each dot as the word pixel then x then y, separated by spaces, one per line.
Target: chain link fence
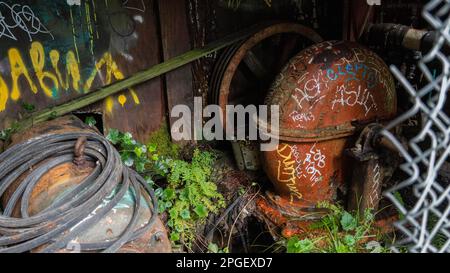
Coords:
pixel 425 225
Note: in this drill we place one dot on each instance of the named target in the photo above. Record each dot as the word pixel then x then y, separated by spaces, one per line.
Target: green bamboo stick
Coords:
pixel 136 79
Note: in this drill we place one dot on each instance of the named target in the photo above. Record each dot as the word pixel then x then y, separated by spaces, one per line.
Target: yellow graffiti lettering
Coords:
pixel 109 104
pixel 111 71
pixel 72 70
pixel 286 171
pixel 135 97
pixel 18 69
pixel 37 55
pixel 51 82
pixel 122 100
pixel 4 94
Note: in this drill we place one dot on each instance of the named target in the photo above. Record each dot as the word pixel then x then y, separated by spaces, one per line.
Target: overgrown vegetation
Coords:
pixel 343 232
pixel 188 196
pixel 162 140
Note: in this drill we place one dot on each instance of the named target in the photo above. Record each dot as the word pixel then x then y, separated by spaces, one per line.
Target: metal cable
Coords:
pixel 74 213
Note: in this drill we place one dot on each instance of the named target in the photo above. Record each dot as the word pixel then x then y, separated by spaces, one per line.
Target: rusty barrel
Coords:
pixel 59 180
pixel 325 93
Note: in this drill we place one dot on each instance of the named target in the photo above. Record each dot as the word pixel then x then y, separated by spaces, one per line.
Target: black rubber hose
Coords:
pixel 53 228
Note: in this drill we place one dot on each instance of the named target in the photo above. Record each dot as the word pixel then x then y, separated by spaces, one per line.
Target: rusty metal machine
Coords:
pixel 244 72
pixel 327 94
pixel 63 188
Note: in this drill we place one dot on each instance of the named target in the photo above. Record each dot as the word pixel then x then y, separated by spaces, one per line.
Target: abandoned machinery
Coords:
pixel 334 97
pixel 64 189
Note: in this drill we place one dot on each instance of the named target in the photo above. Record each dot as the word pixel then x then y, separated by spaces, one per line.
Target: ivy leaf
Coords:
pixel 185 214
pixel 168 205
pixel 128 139
pixel 350 240
pixel 213 248
pixel 201 211
pixel 128 160
pixel 151 148
pixel 348 222
pixel 138 151
pixel 295 245
pixel 113 136
pixel 174 237
pixel 90 121
pixel 149 180
pixel 140 167
pixel 169 194
pixel 162 208
pixel 173 213
pixel 159 192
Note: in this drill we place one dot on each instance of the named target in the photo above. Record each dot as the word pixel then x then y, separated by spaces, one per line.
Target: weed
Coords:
pixel 189 196
pixel 343 233
pixel 214 248
pixel 90 121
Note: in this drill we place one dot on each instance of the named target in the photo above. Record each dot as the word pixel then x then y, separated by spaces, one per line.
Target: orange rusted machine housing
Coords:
pixel 326 93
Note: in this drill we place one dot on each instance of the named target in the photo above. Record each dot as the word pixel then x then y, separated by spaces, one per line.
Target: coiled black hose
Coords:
pixel 55 227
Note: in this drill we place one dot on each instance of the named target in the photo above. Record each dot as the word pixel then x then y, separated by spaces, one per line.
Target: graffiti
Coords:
pixel 20 18
pixel 286 171
pixel 354 72
pixel 313 162
pixel 358 97
pixel 51 82
pixel 302 117
pixel 311 91
pixel 295 166
pixel 141 7
pixel 297 156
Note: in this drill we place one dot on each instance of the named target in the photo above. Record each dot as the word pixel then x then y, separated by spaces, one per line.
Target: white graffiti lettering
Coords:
pixel 20 17
pixel 356 97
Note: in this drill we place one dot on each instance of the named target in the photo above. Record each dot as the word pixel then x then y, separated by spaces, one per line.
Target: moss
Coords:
pixel 161 138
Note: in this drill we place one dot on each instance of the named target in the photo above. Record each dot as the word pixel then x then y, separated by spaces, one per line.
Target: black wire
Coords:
pixel 55 227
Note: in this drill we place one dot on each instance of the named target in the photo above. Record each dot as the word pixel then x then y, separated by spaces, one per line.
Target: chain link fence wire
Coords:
pixel 424 226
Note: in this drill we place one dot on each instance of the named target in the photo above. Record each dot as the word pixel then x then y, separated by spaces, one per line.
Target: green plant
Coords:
pixel 343 233
pixel 214 248
pixel 161 138
pixel 90 121
pixel 295 245
pixel 143 158
pixel 399 198
pixel 28 107
pixel 189 196
pixel 5 134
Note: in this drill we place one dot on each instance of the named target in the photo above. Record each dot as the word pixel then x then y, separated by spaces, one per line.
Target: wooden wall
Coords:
pixel 54 51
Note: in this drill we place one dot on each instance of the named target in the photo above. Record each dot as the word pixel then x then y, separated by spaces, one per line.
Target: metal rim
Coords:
pixel 238 55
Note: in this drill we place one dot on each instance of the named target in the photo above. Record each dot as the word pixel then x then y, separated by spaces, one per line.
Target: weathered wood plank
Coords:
pixel 175 40
pixel 143 114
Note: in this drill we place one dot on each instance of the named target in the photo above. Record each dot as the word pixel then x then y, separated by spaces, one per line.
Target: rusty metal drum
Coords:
pixel 326 93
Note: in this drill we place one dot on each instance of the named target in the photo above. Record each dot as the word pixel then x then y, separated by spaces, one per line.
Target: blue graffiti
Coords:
pixel 354 72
